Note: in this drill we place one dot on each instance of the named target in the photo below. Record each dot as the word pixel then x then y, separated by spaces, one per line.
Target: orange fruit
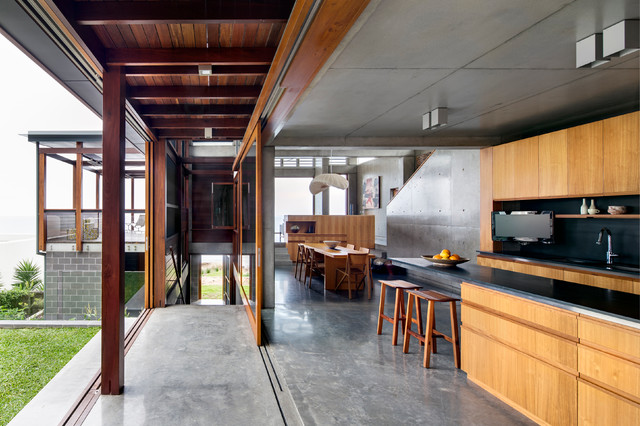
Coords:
pixel 454 257
pixel 437 256
pixel 445 252
pixel 444 256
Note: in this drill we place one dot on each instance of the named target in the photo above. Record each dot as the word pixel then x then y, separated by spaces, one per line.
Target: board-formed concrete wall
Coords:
pixel 438 208
pixel 73 285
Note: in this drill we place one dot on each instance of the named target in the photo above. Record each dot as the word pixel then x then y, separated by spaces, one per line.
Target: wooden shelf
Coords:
pixel 598 216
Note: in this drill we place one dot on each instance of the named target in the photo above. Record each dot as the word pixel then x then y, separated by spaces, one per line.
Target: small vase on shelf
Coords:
pixel 592 209
pixel 583 207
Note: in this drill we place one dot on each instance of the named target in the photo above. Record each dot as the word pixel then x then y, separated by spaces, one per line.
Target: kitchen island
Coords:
pixel 559 352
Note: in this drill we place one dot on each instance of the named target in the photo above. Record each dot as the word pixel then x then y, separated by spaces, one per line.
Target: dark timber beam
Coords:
pixel 113 120
pixel 217 70
pixel 191 12
pixel 77 196
pixel 196 109
pixel 224 134
pixel 199 123
pixel 194 92
pixel 192 56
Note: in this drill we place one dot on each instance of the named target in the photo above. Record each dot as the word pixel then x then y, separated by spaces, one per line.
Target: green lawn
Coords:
pixel 212 292
pixel 29 358
pixel 133 281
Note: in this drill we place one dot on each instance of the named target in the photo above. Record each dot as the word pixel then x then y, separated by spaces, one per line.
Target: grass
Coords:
pixel 133 281
pixel 29 358
pixel 212 291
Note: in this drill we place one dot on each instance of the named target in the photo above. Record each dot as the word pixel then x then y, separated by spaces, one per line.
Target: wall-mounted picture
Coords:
pixel 371 193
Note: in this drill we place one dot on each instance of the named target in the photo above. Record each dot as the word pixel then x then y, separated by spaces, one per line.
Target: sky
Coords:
pixel 31 100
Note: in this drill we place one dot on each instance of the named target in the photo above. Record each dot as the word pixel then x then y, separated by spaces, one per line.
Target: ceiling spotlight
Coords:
pixel 438 117
pixel 589 52
pixel 205 70
pixel 621 39
pixel 426 121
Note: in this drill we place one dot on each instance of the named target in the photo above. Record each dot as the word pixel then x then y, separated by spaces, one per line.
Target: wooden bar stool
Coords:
pixel 398 310
pixel 430 335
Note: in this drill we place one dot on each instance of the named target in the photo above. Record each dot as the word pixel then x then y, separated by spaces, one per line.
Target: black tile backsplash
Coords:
pixel 577 237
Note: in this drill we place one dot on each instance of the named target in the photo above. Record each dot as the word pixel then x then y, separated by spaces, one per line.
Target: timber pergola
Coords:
pixel 176 72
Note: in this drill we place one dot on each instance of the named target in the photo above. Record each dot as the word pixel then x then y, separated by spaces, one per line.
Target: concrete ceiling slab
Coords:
pixel 348 99
pixel 439 34
pixel 503 68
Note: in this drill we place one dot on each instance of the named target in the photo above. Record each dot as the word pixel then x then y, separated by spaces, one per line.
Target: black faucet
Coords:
pixel 610 253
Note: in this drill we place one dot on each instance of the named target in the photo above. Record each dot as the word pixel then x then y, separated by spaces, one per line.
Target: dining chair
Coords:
pixel 355 271
pixel 351 246
pixel 299 262
pixel 315 265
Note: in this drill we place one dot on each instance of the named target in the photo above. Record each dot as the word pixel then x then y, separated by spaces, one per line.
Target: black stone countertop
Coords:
pixel 575 264
pixel 615 306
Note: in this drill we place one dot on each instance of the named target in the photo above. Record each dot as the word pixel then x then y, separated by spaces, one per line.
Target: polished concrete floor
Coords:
pixel 339 371
pixel 192 365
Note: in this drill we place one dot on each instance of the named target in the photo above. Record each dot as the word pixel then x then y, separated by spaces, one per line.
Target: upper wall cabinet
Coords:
pixel 585 159
pixel 621 138
pixel 552 167
pixel 515 169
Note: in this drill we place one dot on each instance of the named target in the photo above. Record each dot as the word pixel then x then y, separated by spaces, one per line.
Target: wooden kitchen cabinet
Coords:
pixel 621 136
pixel 585 160
pixel 515 169
pixel 609 368
pixel 503 169
pixel 552 164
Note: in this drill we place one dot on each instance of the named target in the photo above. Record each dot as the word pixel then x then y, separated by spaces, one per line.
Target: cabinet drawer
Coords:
pixel 621 375
pixel 552 349
pixel 599 407
pixel 536 314
pixel 619 284
pixel 623 341
pixel 524 268
pixel 544 393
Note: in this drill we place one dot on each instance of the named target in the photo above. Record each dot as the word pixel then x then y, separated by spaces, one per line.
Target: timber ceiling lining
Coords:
pixel 160 44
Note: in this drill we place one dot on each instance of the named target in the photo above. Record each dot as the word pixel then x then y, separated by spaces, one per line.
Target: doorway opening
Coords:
pixel 211 280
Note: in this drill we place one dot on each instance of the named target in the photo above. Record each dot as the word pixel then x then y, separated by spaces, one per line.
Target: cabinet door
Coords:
pixel 585 159
pixel 622 154
pixel 503 169
pixel 552 164
pixel 526 168
pixel 515 169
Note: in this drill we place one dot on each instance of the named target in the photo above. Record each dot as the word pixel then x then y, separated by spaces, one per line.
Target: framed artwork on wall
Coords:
pixel 371 193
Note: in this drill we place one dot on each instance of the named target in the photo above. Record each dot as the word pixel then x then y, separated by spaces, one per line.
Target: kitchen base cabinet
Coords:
pixel 597 406
pixel 595 279
pixel 555 366
pixel 543 393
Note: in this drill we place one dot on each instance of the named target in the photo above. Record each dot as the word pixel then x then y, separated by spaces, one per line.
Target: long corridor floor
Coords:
pixel 192 365
pixel 339 371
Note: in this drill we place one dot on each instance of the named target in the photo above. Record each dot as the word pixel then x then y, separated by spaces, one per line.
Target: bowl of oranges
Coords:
pixel 445 258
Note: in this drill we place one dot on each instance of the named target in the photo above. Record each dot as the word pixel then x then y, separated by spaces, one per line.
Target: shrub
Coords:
pixel 14 298
pixel 27 276
pixel 11 313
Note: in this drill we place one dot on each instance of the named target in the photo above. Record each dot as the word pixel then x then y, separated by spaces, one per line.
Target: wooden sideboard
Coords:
pixel 555 366
pixel 351 229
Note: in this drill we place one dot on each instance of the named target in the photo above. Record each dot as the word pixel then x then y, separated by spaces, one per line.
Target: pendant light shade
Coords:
pixel 322 182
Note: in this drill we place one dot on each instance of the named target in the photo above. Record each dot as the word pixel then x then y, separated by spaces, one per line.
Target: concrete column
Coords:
pixel 325 194
pixel 268 227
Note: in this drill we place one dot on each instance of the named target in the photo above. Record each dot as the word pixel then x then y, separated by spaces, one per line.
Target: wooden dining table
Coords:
pixel 334 259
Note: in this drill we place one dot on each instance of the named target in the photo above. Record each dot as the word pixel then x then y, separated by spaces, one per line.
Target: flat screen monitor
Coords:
pixel 522 226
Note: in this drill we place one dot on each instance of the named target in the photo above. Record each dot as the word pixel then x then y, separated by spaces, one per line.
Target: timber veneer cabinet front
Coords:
pixel 555 366
pixel 595 159
pixel 594 279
